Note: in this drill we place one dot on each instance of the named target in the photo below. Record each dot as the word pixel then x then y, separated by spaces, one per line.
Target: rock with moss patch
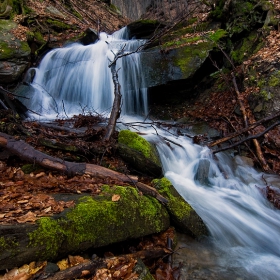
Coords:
pixel 119 213
pixel 182 214
pixel 14 54
pixel 176 59
pixel 141 154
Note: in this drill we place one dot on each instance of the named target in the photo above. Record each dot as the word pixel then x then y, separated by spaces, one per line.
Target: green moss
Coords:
pixel 8 244
pixel 266 95
pixel 100 221
pixel 217 35
pixel 59 25
pixel 189 58
pixel 180 208
pixel 138 143
pixel 274 79
pixel 28 168
pixel 5 50
pixel 248 47
pixel 49 236
pixel 181 42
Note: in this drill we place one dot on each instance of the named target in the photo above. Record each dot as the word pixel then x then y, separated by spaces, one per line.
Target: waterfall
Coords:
pixel 76 79
pixel 244 226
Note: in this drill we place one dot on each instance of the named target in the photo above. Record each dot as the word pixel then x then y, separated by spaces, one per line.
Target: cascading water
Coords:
pixel 77 79
pixel 244 226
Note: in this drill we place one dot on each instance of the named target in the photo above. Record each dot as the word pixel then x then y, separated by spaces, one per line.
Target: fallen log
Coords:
pixel 29 153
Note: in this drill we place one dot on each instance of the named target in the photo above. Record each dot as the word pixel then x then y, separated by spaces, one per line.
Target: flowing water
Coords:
pixel 244 226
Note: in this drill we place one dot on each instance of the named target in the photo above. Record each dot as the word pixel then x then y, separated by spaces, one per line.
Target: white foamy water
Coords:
pixel 77 79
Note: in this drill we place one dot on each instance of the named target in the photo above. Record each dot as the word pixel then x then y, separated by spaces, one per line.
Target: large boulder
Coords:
pixel 117 214
pixel 14 54
pixel 177 59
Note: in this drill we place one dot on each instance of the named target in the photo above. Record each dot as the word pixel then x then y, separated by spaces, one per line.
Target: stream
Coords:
pixel 244 227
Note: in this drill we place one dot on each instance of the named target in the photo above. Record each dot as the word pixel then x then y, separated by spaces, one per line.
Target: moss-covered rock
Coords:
pixel 14 54
pixel 139 152
pixel 178 59
pixel 182 214
pixel 118 214
pixel 246 47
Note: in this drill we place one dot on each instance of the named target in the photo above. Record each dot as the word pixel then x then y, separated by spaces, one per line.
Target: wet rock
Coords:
pixel 181 213
pixel 202 172
pixel 175 64
pixel 90 37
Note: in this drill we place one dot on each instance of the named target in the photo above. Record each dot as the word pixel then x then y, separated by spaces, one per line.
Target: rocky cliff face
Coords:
pixel 132 9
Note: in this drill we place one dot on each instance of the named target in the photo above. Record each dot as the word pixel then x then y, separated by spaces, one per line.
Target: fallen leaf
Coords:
pixel 29 217
pixel 116 197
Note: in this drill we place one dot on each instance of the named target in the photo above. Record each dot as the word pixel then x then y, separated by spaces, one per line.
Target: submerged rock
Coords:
pixel 181 213
pixel 141 154
pixel 202 172
pixel 118 214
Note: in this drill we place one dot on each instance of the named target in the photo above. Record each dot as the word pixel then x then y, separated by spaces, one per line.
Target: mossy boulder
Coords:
pixel 120 213
pixel 181 213
pixel 177 59
pixel 141 154
pixel 14 54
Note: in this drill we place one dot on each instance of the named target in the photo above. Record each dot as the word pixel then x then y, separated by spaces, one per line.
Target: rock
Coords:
pixel 176 63
pixel 93 222
pixel 202 172
pixel 143 29
pixel 141 154
pixel 181 213
pixel 14 54
pixel 90 37
pixel 142 271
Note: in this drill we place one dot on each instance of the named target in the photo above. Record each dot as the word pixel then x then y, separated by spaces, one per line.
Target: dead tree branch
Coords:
pixel 244 130
pixel 251 137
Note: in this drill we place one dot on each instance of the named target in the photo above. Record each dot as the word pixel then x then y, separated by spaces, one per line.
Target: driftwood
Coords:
pixel 28 153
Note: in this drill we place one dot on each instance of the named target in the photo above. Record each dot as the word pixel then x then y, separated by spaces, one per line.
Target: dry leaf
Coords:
pixel 29 217
pixel 116 197
pixel 63 264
